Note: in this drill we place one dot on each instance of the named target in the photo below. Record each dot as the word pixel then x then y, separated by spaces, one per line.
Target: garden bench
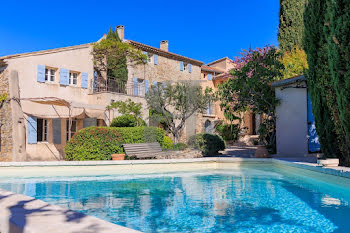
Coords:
pixel 143 150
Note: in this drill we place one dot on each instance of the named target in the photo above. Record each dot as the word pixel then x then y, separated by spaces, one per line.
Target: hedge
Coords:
pixel 127 121
pixel 208 144
pixel 98 143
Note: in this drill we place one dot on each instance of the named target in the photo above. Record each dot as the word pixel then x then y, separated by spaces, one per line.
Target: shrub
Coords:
pixel 98 143
pixel 93 143
pixel 228 132
pixel 127 121
pixel 208 144
pixel 167 143
pixel 180 146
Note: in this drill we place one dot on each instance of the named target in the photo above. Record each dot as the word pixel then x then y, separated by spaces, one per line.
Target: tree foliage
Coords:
pixel 294 62
pixel 178 102
pixel 320 84
pixel 129 109
pixel 249 88
pixel 291 24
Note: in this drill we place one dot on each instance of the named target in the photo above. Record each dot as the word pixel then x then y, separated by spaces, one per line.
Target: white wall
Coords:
pixel 291 123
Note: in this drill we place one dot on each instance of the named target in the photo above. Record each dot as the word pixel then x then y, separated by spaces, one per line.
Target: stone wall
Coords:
pixel 6 142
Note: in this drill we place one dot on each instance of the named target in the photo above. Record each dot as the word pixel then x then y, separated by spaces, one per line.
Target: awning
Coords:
pixel 95 113
pixel 37 109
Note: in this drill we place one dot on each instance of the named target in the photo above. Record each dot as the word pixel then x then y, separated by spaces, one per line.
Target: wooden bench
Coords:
pixel 143 150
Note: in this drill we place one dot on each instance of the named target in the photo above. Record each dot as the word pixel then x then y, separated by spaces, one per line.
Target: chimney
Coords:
pixel 120 31
pixel 164 45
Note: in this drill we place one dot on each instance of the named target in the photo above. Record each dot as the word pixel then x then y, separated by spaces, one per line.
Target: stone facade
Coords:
pixel 6 142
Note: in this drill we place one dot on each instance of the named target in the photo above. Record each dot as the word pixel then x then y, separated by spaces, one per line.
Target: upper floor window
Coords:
pixel 185 66
pixel 73 78
pixel 50 75
pixel 204 76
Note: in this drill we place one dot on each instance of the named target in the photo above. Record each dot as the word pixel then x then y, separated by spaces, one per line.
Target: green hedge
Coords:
pixel 98 143
pixel 228 132
pixel 208 144
pixel 168 144
pixel 127 121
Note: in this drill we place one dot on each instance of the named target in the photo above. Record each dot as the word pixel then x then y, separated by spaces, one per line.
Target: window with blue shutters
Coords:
pixel 64 77
pixel 32 130
pixel 84 80
pixel 56 128
pixel 210 77
pixel 181 65
pixel 146 86
pixel 135 87
pixel 41 74
pixel 190 68
pixel 155 59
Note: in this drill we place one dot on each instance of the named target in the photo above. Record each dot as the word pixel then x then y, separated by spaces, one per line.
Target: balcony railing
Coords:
pixel 116 86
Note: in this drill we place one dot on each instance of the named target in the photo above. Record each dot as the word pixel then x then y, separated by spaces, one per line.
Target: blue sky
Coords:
pixel 203 30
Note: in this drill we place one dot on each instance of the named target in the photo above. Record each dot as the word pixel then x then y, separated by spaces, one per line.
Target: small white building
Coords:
pixel 295 127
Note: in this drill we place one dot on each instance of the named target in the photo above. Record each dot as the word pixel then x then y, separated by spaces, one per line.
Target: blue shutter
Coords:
pixel 155 59
pixel 181 65
pixel 210 77
pixel 64 77
pixel 84 80
pixel 155 83
pixel 41 74
pixel 32 126
pixel 95 80
pixel 135 87
pixel 190 68
pixel 146 86
pixel 56 128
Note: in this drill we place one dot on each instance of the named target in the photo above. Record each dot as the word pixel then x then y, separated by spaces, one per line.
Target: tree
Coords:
pixel 320 86
pixel 294 62
pixel 128 108
pixel 249 88
pixel 291 24
pixel 336 29
pixel 177 103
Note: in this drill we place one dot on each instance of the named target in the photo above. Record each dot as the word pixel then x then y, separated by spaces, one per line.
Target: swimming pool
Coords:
pixel 251 197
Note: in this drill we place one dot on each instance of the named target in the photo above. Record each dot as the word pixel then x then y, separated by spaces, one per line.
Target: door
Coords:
pixel 313 142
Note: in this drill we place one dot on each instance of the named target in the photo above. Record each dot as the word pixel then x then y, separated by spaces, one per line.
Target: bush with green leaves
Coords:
pixel 93 143
pixel 127 120
pixel 229 132
pixel 99 143
pixel 168 144
pixel 180 146
pixel 208 144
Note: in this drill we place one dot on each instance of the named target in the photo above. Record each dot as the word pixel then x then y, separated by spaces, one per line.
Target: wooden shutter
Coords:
pixel 181 65
pixel 41 74
pixel 146 86
pixel 56 128
pixel 190 68
pixel 32 128
pixel 84 80
pixel 64 77
pixel 135 87
pixel 155 59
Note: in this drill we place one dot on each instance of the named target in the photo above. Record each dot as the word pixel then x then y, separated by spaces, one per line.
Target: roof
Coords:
pixel 212 69
pixel 217 61
pixel 163 53
pixel 41 52
pixel 289 81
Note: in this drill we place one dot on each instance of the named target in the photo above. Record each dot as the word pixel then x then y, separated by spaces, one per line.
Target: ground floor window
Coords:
pixel 73 129
pixel 42 130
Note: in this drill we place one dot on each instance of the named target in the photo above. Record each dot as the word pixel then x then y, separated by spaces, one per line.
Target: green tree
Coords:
pixel 250 89
pixel 128 108
pixel 294 62
pixel 320 88
pixel 176 103
pixel 291 24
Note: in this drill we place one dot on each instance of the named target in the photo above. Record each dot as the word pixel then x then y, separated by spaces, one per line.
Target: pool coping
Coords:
pixel 21 213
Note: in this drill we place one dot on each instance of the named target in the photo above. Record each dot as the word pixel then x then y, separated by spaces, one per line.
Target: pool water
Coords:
pixel 249 198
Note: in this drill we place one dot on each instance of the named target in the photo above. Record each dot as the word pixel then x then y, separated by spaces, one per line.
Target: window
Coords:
pixel 73 78
pixel 50 75
pixel 41 130
pixel 204 76
pixel 185 66
pixel 150 56
pixel 73 129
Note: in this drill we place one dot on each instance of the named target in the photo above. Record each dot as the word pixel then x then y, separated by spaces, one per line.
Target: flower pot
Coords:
pixel 328 162
pixel 118 156
pixel 261 152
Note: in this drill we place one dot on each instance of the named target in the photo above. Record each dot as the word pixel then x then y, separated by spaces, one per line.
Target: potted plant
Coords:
pixel 261 152
pixel 120 156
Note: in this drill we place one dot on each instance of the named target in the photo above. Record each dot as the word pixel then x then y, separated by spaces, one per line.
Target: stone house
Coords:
pixel 54 93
